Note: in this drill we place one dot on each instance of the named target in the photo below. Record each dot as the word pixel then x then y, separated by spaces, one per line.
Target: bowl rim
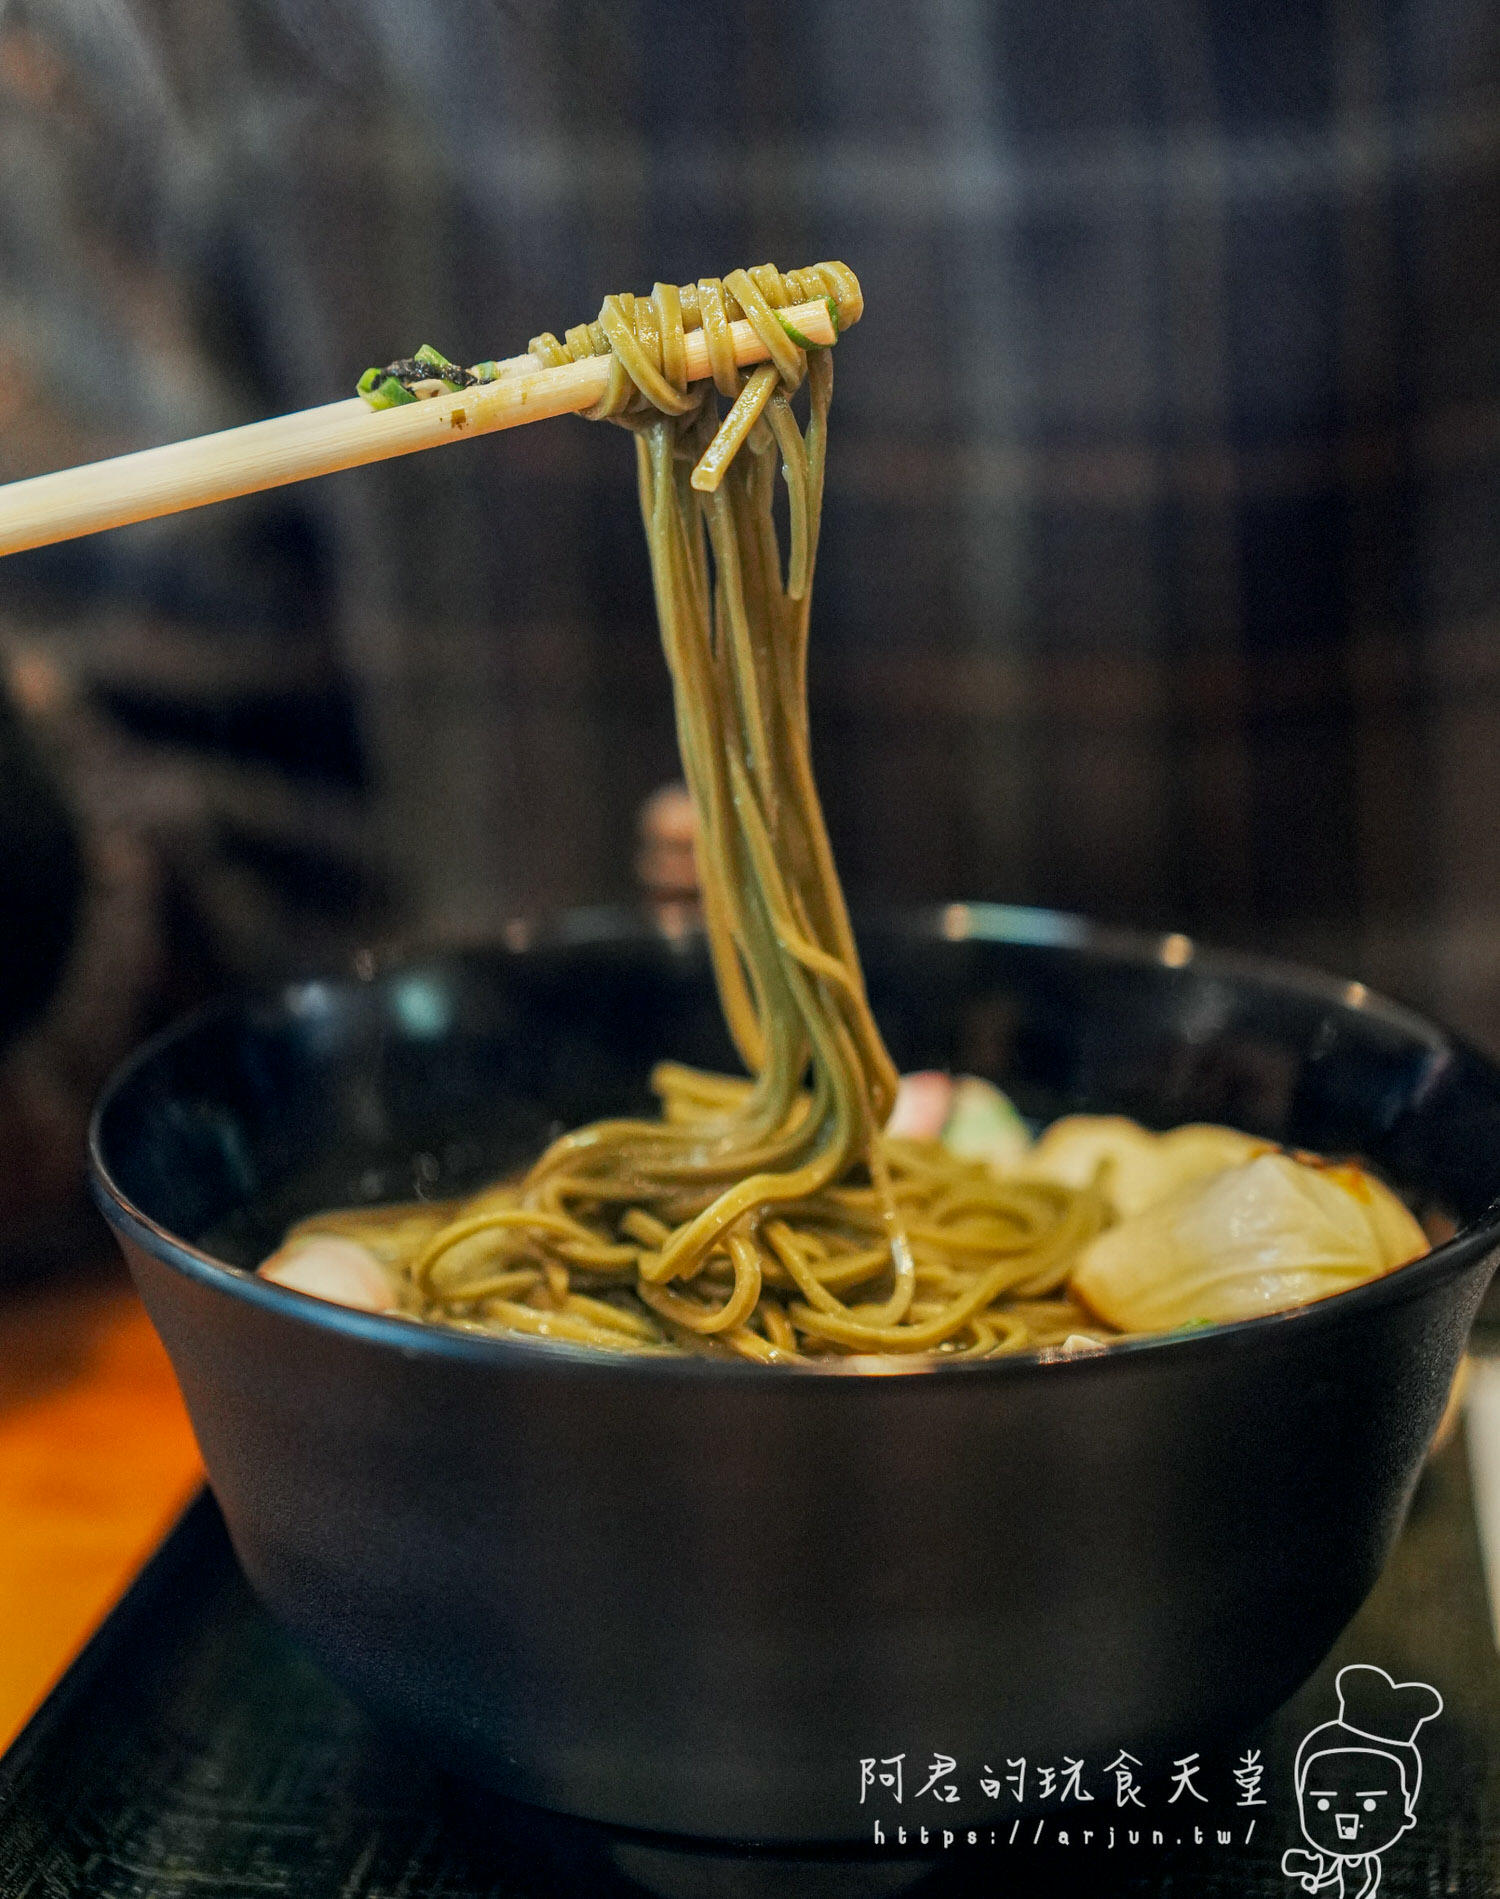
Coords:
pixel 959 921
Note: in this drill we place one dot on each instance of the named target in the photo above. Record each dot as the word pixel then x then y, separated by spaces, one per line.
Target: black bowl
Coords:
pixel 694 1596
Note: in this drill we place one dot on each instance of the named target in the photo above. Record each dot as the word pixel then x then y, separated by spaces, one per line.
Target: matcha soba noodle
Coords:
pixel 770 1215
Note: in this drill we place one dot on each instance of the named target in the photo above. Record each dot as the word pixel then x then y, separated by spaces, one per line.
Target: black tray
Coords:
pixel 193 1749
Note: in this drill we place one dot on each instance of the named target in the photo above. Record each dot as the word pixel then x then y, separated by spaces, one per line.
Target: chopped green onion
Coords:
pixel 435 357
pixel 383 391
pixel 398 382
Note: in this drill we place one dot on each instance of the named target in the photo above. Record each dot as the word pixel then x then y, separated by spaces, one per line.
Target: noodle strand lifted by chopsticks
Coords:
pixel 769 1217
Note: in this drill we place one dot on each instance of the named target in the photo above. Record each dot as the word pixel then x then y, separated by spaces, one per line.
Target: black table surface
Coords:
pixel 194 1749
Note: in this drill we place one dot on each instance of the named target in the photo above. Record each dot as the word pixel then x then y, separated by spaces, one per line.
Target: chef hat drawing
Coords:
pixel 1375 1712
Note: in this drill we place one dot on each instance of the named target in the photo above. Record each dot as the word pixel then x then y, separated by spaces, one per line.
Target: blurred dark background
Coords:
pixel 1160 577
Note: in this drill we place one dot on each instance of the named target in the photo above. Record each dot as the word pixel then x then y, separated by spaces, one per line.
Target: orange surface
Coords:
pixel 96 1458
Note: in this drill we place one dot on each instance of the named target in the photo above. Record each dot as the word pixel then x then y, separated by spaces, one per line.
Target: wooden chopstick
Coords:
pixel 242 461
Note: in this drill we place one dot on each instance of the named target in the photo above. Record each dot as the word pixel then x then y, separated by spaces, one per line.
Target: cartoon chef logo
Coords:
pixel 1357 1782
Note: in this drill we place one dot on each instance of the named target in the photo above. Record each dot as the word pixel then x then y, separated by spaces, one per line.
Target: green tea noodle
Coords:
pixel 769 1217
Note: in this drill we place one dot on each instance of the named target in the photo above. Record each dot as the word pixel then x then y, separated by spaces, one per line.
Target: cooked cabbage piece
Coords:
pixel 1254 1237
pixel 1131 1166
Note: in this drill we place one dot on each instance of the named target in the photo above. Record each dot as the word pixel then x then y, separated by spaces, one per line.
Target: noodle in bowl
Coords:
pixel 691 1594
pixel 799 1208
